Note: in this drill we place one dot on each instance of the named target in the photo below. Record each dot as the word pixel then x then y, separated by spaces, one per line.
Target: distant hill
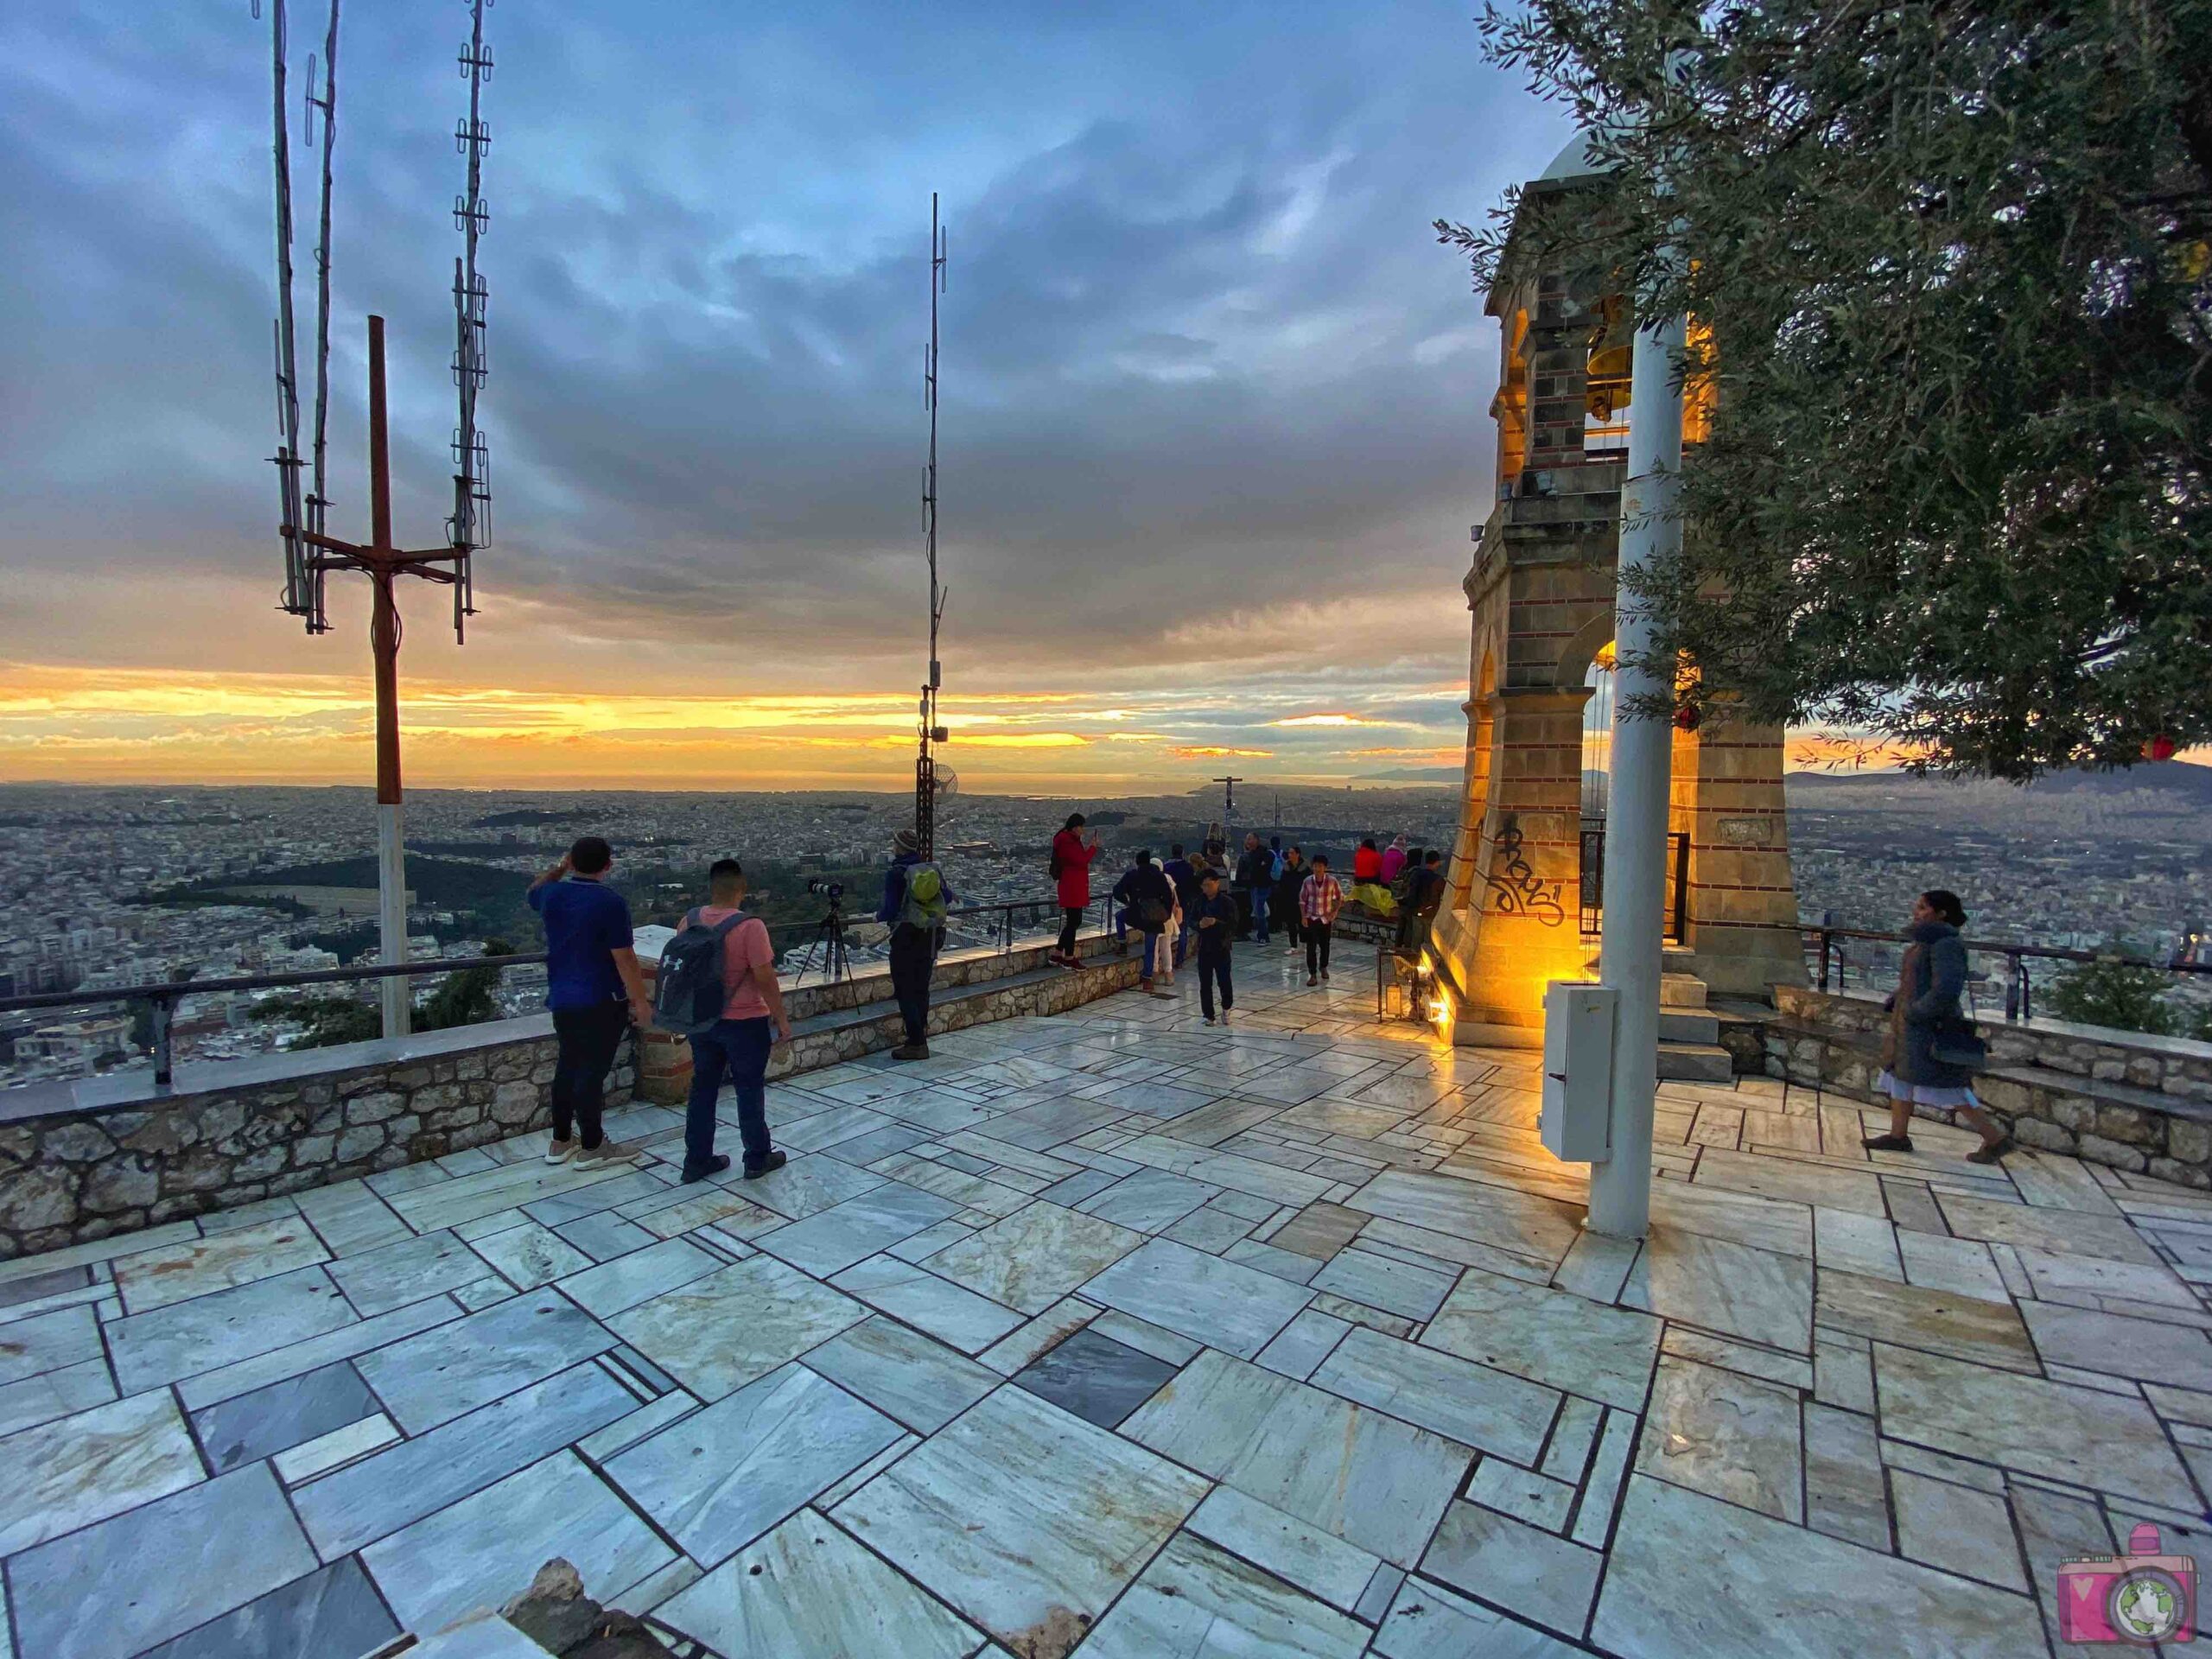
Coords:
pixel 2173 782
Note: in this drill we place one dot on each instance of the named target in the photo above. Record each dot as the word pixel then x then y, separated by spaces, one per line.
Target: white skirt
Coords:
pixel 1926 1094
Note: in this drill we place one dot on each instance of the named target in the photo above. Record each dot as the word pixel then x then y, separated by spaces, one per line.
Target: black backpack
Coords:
pixel 688 996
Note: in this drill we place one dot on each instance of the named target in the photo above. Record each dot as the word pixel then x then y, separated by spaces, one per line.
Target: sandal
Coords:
pixel 1887 1143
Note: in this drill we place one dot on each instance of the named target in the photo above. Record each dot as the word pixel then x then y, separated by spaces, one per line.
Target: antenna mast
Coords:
pixel 317 501
pixel 299 581
pixel 925 764
pixel 468 528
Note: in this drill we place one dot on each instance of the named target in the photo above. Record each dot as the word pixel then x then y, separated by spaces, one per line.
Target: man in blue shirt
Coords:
pixel 594 988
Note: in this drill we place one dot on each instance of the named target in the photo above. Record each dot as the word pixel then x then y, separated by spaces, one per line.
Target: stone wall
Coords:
pixel 83 1159
pixel 2125 1099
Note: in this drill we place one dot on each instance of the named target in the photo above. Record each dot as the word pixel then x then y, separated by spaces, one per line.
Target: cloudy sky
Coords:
pixel 1214 417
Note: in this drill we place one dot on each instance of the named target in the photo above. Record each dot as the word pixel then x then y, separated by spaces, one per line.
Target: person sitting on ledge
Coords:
pixel 1930 1050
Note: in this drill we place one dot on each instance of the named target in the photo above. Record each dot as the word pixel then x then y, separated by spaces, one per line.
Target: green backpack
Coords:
pixel 923 906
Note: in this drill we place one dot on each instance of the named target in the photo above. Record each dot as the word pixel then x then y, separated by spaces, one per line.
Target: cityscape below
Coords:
pixel 115 886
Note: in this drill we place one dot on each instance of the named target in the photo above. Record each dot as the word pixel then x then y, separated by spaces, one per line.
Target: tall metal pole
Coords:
pixel 1633 956
pixel 383 643
pixel 924 763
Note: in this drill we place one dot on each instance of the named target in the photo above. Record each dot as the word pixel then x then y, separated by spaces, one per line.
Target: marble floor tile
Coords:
pixel 1298 1553
pixel 940 1111
pixel 910 1291
pixel 1426 1622
pixel 1098 1379
pixel 530 1256
pixel 219 1545
pixel 2058 1275
pixel 376 1281
pixel 402 1484
pixel 1380 1281
pixel 830 1240
pixel 224 1326
pixel 859 1150
pixel 1471 1209
pixel 1211 1125
pixel 519 1186
pixel 1300 1347
pixel 603 1237
pixel 806 1591
pixel 1760 1295
pixel 600 1197
pixel 1160 1100
pixel 1235 1308
pixel 2062 1232
pixel 805 1186
pixel 1150 1201
pixel 332 1610
pixel 59 1393
pixel 478 1552
pixel 1051 1124
pixel 448 1372
pixel 1726 1435
pixel 1195 1601
pixel 176 1272
pixel 297 1358
pixel 613 1286
pixel 2120 1346
pixel 48 1342
pixel 350 1217
pixel 1404 1092
pixel 1789 1179
pixel 1055 1516
pixel 1956 1529
pixel 1319 1231
pixel 1689 1574
pixel 1501 1485
pixel 2076 1435
pixel 718 1333
pixel 1964 1327
pixel 1548 1336
pixel 1222 1168
pixel 1530 1572
pixel 1961 1266
pixel 283 1415
pixel 1325 1117
pixel 722 1477
pixel 303 1462
pixel 902 1373
pixel 1491 1410
pixel 823 1129
pixel 81 1469
pixel 1740 1218
pixel 1209 1230
pixel 1035 1257
pixel 1844 1496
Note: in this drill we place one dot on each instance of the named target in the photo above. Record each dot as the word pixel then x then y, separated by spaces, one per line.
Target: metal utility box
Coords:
pixel 1578 1070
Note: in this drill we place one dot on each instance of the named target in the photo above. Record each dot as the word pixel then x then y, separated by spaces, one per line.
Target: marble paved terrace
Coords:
pixel 1119 1335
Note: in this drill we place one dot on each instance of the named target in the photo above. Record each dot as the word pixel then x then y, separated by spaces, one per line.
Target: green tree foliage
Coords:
pixel 465 998
pixel 1954 257
pixel 2117 995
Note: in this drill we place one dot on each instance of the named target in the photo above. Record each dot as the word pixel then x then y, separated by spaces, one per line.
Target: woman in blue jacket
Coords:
pixel 1925 1016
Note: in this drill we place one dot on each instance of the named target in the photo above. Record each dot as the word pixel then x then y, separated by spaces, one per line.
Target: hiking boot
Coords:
pixel 774 1160
pixel 1887 1143
pixel 560 1152
pixel 713 1165
pixel 911 1051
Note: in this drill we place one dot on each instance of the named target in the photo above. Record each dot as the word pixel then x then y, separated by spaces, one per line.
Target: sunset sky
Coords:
pixel 1214 410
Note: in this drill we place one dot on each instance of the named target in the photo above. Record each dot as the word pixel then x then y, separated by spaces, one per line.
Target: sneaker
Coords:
pixel 560 1152
pixel 592 1157
pixel 1887 1143
pixel 911 1051
pixel 1224 1016
pixel 713 1165
pixel 1995 1152
pixel 774 1160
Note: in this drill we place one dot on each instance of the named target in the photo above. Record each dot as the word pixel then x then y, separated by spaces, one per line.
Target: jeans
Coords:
pixel 1317 948
pixel 742 1048
pixel 1070 919
pixel 914 953
pixel 589 1039
pixel 1213 970
pixel 1152 943
pixel 1260 914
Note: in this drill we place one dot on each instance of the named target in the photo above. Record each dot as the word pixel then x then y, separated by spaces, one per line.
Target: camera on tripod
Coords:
pixel 833 890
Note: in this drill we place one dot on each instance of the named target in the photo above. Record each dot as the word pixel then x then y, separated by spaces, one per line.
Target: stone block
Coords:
pixel 200 1171
pixel 2189 1142
pixel 359 1143
pixel 160 1133
pixel 2049 1137
pixel 2142 1070
pixel 435 1097
pixel 220 1118
pixel 2003 1093
pixel 313 1151
pixel 76 1141
pixel 2126 1123
pixel 408 1077
pixel 129 1180
pixel 2071 1110
pixel 259 1166
pixel 2095 1149
pixel 2110 1070
pixel 37 1197
pixel 2187 1174
pixel 375 1107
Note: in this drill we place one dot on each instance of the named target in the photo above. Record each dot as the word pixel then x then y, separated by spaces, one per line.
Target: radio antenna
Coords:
pixel 470 524
pixel 298 579
pixel 925 787
pixel 318 502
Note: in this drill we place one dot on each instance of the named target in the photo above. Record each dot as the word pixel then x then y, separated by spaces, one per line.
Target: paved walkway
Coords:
pixel 1119 1334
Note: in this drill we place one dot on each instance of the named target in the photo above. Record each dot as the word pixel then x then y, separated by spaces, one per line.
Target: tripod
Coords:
pixel 826 950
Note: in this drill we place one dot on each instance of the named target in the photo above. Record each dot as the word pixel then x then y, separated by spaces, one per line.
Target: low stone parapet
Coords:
pixel 84 1158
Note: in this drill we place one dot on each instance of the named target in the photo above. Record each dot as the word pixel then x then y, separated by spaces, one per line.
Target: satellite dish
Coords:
pixel 947 781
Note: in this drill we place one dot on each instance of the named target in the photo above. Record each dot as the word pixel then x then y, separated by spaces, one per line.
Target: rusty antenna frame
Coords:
pixel 310 552
pixel 931 732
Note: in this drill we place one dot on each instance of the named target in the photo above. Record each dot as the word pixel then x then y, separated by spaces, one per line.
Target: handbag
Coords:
pixel 1959 1044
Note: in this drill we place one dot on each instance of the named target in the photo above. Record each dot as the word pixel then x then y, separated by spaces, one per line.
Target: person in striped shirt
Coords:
pixel 1318 901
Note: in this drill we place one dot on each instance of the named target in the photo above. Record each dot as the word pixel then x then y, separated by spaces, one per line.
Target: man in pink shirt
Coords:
pixel 740 1042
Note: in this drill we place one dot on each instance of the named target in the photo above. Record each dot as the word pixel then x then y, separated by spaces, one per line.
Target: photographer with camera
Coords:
pixel 915 900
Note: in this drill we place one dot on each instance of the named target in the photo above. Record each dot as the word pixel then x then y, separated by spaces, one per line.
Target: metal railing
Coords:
pixel 1678 884
pixel 163 999
pixel 1830 946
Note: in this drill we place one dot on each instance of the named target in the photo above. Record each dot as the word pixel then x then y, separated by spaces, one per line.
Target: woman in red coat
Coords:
pixel 1071 856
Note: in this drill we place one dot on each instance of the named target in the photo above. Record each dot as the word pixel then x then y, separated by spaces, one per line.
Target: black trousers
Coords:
pixel 1213 970
pixel 1070 919
pixel 589 1039
pixel 914 953
pixel 1283 913
pixel 1316 947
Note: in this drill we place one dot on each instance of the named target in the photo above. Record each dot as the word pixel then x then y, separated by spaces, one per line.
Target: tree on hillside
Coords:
pixel 1947 264
pixel 2121 995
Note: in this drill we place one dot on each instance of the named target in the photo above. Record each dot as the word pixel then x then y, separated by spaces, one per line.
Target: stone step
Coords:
pixel 1689 1026
pixel 1695 1063
pixel 1681 991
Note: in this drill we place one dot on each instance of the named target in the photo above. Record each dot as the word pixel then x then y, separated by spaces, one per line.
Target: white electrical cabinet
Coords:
pixel 1579 1070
